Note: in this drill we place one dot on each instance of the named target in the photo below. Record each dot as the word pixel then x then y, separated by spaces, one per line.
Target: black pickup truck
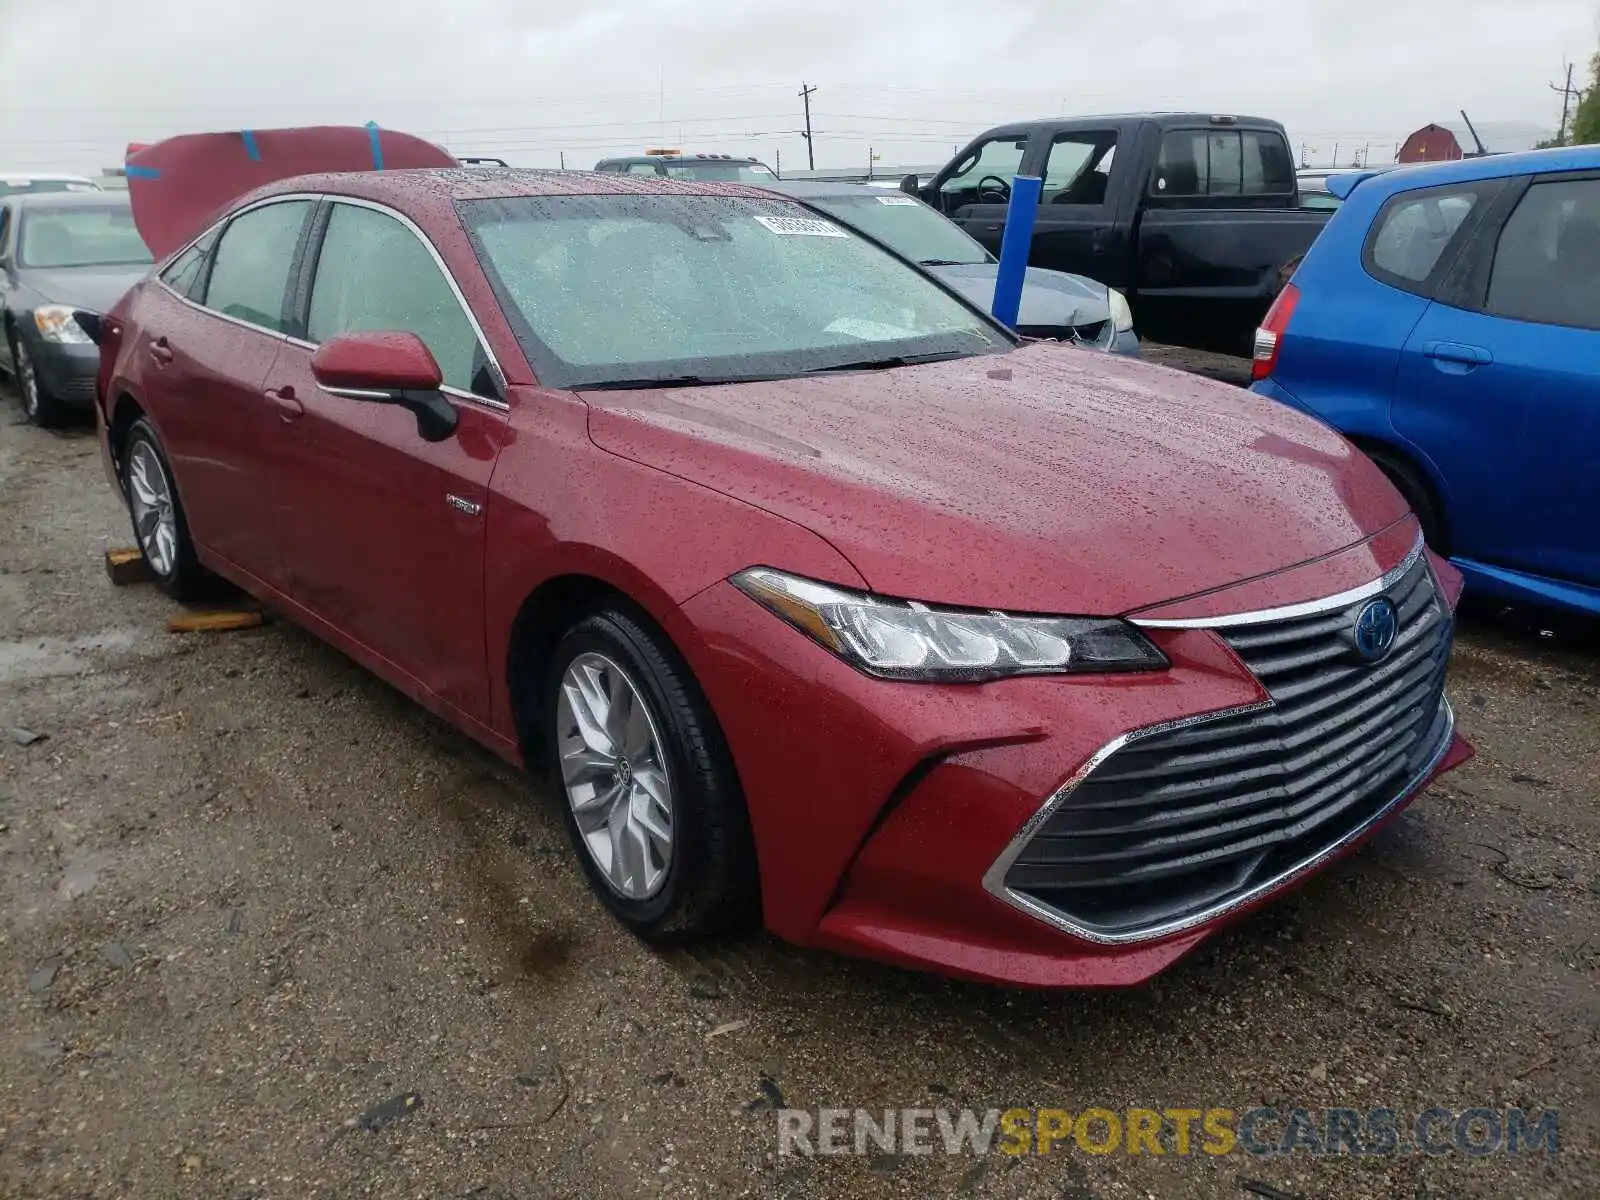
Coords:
pixel 1192 216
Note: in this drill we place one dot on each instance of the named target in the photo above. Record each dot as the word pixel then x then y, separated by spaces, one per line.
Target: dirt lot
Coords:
pixel 251 899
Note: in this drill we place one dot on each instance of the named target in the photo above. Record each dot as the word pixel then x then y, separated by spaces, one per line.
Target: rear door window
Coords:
pixel 1547 264
pixel 374 274
pixel 1414 230
pixel 250 277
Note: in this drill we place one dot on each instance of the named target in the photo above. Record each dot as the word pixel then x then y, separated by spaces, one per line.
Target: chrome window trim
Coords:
pixel 994 879
pixel 1289 612
pixel 488 402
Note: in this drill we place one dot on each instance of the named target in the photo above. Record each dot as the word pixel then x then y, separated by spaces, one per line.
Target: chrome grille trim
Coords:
pixel 1289 612
pixel 1298 774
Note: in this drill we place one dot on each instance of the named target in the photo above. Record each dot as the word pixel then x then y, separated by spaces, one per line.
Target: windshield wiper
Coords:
pixel 898 360
pixel 947 262
pixel 670 381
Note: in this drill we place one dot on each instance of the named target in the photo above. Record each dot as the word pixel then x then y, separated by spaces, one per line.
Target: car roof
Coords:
pixel 27 200
pixel 44 176
pixel 442 187
pixel 1405 176
pixel 1165 120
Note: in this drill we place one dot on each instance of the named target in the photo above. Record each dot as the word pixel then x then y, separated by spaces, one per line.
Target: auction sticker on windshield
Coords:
pixel 804 226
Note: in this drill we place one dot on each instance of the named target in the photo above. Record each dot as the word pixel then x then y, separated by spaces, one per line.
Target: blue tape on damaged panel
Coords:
pixel 250 146
pixel 141 172
pixel 377 146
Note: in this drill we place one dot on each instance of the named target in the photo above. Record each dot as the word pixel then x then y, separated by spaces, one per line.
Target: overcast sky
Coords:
pixel 529 81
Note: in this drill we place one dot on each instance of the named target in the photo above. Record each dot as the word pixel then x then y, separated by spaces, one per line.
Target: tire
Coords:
pixel 160 527
pixel 704 878
pixel 1418 494
pixel 38 406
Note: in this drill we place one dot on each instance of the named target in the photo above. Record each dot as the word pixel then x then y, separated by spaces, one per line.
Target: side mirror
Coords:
pixel 908 185
pixel 387 368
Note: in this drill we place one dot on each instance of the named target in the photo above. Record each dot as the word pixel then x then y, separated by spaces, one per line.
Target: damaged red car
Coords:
pixel 819 597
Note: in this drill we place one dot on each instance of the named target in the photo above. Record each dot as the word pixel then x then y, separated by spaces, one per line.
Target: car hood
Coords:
pixel 1042 480
pixel 1050 299
pixel 95 289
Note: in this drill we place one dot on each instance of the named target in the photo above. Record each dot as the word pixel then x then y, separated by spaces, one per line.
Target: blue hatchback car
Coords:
pixel 1447 321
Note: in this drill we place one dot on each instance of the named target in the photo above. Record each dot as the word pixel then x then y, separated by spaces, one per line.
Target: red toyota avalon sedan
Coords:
pixel 818 596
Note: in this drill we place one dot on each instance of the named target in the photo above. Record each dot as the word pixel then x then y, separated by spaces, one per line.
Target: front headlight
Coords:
pixel 897 639
pixel 56 324
pixel 1121 314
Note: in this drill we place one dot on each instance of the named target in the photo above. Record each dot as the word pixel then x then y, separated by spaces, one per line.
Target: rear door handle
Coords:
pixel 283 399
pixel 161 352
pixel 1458 352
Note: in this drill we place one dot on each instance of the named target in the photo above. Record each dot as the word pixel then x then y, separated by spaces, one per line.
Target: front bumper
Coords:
pixel 887 816
pixel 67 371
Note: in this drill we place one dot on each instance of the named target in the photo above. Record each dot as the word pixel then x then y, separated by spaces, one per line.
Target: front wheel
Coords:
pixel 159 523
pixel 652 804
pixel 38 406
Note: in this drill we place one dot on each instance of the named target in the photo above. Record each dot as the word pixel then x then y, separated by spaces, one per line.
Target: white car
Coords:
pixel 28 182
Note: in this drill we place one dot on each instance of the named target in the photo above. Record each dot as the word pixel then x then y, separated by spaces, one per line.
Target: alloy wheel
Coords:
pixel 614 768
pixel 150 497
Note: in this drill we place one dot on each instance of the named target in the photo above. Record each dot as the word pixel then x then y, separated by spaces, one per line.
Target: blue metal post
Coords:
pixel 1014 247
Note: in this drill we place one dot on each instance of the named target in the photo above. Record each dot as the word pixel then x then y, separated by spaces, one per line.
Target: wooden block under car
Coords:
pixel 124 566
pixel 214 621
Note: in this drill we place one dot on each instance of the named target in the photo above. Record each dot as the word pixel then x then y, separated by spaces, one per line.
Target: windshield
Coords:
pixel 627 289
pixel 907 227
pixel 726 172
pixel 18 187
pixel 80 236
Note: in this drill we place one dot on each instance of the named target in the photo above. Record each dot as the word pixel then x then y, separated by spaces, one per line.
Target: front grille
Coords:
pixel 1183 821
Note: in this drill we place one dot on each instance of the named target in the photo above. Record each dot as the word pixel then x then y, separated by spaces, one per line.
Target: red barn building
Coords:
pixel 1431 143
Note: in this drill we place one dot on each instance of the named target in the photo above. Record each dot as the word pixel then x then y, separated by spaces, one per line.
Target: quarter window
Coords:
pixel 1413 232
pixel 184 273
pixel 250 276
pixel 374 274
pixel 1547 265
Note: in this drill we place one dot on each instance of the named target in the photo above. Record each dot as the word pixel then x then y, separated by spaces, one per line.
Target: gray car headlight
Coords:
pixel 898 639
pixel 56 324
pixel 1121 314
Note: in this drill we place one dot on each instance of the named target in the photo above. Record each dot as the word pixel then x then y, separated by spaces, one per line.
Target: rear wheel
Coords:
pixel 652 804
pixel 1409 482
pixel 159 523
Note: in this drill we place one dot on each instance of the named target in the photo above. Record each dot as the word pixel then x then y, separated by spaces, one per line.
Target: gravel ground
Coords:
pixel 269 930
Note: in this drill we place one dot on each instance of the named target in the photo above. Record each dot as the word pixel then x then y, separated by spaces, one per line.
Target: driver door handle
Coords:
pixel 284 400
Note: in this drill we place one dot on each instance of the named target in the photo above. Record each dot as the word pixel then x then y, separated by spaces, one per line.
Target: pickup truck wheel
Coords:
pixel 652 803
pixel 159 524
pixel 1408 481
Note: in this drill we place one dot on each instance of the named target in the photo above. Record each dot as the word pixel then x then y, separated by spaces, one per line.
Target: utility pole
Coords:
pixel 805 95
pixel 1568 94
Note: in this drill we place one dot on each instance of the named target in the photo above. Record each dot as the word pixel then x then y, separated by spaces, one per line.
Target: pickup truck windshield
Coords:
pixel 907 227
pixel 80 236
pixel 634 290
